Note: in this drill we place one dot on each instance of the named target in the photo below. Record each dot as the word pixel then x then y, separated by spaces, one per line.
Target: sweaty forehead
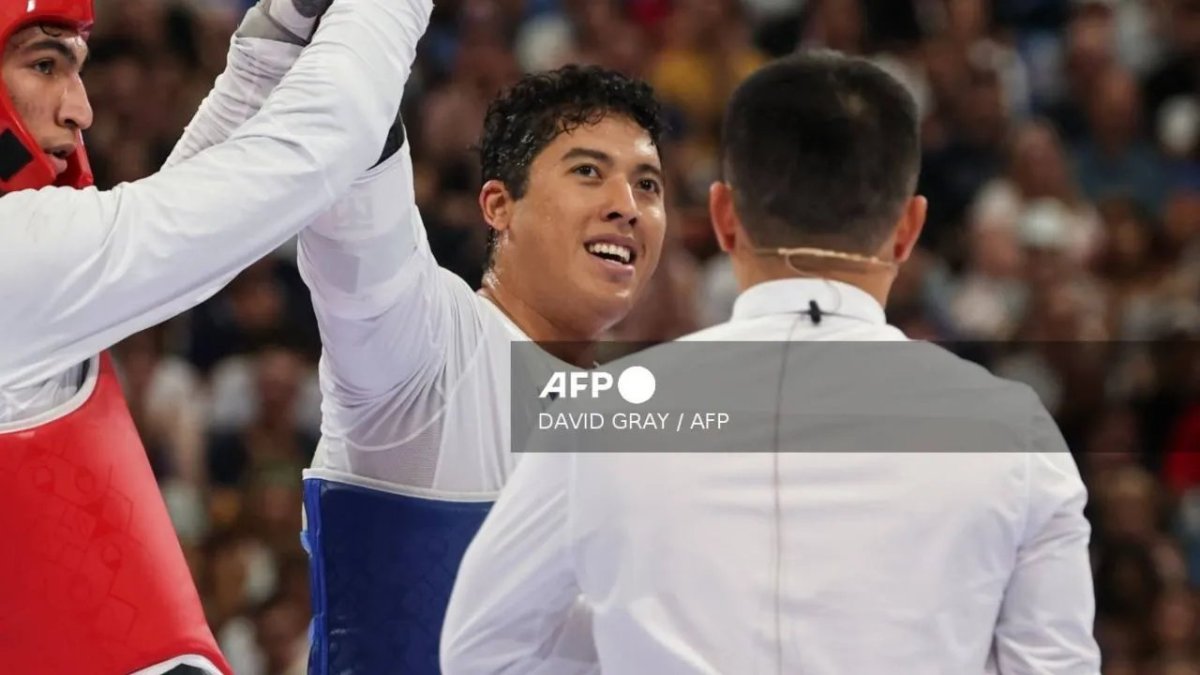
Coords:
pixel 617 136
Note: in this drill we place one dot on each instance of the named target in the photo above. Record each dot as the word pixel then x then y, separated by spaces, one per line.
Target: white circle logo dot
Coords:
pixel 636 385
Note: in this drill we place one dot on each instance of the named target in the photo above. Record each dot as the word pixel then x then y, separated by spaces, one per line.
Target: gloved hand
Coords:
pixel 292 21
pixel 295 22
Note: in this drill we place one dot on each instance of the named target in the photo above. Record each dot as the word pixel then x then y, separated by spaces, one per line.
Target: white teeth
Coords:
pixel 612 249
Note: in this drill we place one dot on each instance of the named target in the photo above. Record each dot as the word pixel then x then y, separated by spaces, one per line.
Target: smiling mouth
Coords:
pixel 612 252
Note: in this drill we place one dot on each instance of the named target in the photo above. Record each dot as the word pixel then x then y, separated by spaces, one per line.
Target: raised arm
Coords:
pixel 81 270
pixel 375 228
pixel 383 305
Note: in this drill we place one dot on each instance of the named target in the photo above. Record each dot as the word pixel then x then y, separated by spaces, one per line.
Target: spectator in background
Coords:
pixel 281 626
pixel 449 123
pixel 707 53
pixel 167 403
pixel 232 581
pixel 970 148
pixel 1064 312
pixel 1130 266
pixel 990 297
pixel 1089 51
pixel 835 24
pixel 164 397
pixel 483 64
pixel 1178 78
pixel 1181 224
pixel 609 39
pixel 273 440
pixel 1116 160
pixel 970 26
pixel 1038 169
pixel 1174 631
pixel 1127 588
pixel 261 304
pixel 1171 389
pixel 1131 509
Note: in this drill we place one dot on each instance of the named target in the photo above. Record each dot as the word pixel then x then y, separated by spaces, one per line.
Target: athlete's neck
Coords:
pixel 572 346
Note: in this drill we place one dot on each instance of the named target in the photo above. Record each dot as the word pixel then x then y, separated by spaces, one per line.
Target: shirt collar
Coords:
pixel 785 296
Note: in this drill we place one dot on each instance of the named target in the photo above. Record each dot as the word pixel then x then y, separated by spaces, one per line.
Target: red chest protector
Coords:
pixel 92 577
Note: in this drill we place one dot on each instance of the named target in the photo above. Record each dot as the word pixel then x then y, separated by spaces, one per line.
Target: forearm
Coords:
pixel 265 46
pixel 254 67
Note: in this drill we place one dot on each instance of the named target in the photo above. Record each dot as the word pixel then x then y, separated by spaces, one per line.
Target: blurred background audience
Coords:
pixel 1062 163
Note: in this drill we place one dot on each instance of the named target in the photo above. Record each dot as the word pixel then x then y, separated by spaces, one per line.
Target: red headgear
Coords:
pixel 23 164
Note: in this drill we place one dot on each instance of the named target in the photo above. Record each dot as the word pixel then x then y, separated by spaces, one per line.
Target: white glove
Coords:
pixel 295 22
pixel 292 21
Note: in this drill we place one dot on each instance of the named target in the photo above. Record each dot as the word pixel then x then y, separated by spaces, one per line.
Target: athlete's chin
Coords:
pixel 606 303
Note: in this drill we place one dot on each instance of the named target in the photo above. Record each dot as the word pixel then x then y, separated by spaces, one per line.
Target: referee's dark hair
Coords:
pixel 821 149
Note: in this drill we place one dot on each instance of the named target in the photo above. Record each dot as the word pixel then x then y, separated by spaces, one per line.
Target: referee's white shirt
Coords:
pixel 968 561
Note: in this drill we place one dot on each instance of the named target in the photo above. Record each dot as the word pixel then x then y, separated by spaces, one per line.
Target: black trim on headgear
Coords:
pixel 14 156
pixel 185 670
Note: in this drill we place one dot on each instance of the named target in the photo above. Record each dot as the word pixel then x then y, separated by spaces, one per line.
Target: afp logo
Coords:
pixel 635 384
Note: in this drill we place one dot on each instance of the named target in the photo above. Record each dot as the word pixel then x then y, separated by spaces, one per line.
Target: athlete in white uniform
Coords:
pixel 415 369
pixel 81 269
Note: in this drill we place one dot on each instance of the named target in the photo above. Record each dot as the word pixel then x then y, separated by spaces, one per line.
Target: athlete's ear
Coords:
pixel 496 205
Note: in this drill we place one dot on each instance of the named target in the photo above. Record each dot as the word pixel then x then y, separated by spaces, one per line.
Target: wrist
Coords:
pixel 292 21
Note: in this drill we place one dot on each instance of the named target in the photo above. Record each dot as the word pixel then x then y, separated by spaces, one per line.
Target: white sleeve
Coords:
pixel 253 68
pixel 82 269
pixel 379 296
pixel 1046 619
pixel 516 608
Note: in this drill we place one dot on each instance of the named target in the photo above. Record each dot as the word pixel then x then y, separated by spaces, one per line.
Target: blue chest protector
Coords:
pixel 382 568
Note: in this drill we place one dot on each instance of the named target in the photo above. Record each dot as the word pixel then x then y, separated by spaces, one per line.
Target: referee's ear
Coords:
pixel 725 222
pixel 908 229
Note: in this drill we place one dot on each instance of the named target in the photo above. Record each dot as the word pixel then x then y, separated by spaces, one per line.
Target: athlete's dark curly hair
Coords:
pixel 529 116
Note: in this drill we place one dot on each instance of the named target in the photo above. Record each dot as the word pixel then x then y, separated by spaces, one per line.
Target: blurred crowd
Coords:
pixel 1062 163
